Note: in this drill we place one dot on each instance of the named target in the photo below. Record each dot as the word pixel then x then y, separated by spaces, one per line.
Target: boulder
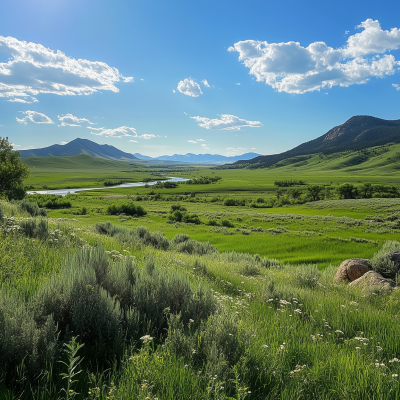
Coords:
pixel 372 280
pixel 352 269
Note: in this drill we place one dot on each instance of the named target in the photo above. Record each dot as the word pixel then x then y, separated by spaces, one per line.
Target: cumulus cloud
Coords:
pixel 192 141
pixel 292 68
pixel 227 122
pixel 189 87
pixel 205 146
pixel 36 117
pixel 19 100
pixel 71 120
pixel 396 86
pixel 200 140
pixel 33 69
pixel 116 132
pixel 120 132
pixel 205 83
pixel 235 151
pixel 134 141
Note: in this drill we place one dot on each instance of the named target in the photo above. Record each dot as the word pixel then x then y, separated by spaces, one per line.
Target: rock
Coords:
pixel 372 280
pixel 394 256
pixel 352 269
pixel 376 220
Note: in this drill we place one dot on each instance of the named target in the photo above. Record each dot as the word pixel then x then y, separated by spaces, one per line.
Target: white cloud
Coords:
pixel 205 146
pixel 189 87
pixel 71 120
pixel 227 122
pixel 134 141
pixel 205 83
pixel 200 140
pixel 235 151
pixel 33 69
pixel 36 117
pixel 346 32
pixel 120 132
pixel 64 143
pixel 237 84
pixel 95 129
pixel 147 136
pixel 173 91
pixel 292 68
pixel 116 132
pixel 192 141
pixel 396 86
pixel 19 100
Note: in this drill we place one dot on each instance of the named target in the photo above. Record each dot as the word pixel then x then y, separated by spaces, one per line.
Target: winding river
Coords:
pixel 64 192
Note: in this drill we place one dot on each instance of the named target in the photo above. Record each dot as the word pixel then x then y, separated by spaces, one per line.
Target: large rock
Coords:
pixel 372 280
pixel 352 269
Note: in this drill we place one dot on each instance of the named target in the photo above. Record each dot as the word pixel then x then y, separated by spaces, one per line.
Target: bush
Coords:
pixel 234 202
pixel 227 223
pixel 212 222
pixel 31 207
pixel 386 261
pixel 49 201
pixel 34 229
pixel 126 208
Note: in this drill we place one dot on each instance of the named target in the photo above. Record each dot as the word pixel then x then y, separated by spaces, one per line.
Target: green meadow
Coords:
pixel 240 303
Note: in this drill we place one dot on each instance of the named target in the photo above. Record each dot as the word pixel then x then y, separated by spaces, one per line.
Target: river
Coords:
pixel 64 192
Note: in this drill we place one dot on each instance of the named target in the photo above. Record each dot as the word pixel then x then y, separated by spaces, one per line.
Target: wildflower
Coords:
pixel 265 346
pixel 146 338
pixel 379 348
pixel 298 311
pixel 358 348
pixel 343 306
pixel 394 360
pixel 191 321
pixel 339 331
pixel 395 375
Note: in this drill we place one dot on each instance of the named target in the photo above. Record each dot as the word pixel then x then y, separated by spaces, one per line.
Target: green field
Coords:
pixel 252 314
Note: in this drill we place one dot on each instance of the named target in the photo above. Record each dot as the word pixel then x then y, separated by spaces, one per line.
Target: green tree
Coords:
pixel 347 191
pixel 294 193
pixel 315 192
pixel 12 171
pixel 366 190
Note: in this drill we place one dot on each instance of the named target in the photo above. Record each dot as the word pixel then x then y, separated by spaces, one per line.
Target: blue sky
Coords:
pixel 224 77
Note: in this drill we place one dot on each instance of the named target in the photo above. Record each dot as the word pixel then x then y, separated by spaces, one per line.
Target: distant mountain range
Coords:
pixel 357 133
pixel 85 146
pixel 200 158
pixel 80 146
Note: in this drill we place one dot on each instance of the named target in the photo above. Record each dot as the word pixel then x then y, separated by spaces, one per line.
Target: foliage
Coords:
pixel 386 261
pixel 203 180
pixel 49 201
pixel 288 183
pixel 12 171
pixel 31 207
pixel 126 208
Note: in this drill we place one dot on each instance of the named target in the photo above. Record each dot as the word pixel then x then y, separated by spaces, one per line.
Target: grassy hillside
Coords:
pixel 357 133
pixel 203 325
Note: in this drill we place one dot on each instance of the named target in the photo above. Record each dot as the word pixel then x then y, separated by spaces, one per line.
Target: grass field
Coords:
pixel 254 314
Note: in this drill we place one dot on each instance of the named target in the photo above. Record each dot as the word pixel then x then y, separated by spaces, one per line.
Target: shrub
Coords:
pixel 49 201
pixel 212 222
pixel 234 202
pixel 227 223
pixel 31 207
pixel 386 261
pixel 177 207
pixel 126 208
pixel 34 229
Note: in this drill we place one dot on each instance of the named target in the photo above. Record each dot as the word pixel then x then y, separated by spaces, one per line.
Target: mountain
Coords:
pixel 200 158
pixel 80 146
pixel 357 133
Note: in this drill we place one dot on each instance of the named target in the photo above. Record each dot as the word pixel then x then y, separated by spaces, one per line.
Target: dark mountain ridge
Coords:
pixel 357 133
pixel 80 146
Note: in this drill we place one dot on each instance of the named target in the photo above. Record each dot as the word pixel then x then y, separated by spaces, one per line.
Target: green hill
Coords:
pixel 356 134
